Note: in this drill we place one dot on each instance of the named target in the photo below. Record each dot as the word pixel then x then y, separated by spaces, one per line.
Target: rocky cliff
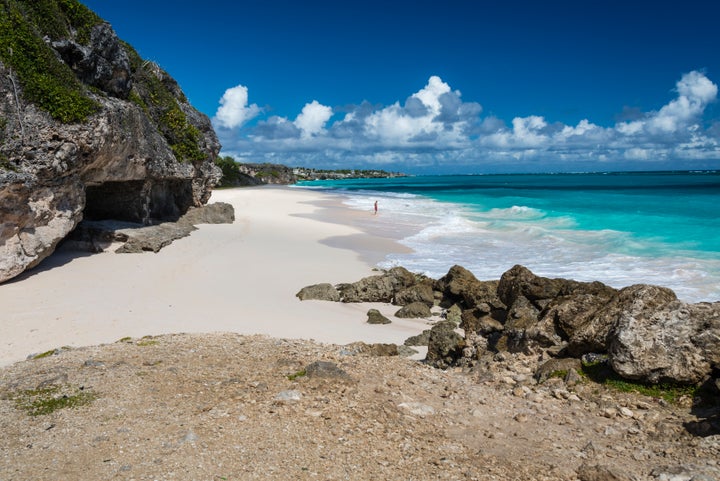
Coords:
pixel 88 130
pixel 235 174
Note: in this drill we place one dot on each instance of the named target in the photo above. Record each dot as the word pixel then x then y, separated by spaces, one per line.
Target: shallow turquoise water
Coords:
pixel 620 228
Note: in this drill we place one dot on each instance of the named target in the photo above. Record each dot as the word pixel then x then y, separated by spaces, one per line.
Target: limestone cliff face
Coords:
pixel 142 153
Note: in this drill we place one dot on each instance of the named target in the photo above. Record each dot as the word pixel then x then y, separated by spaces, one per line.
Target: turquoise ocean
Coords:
pixel 619 228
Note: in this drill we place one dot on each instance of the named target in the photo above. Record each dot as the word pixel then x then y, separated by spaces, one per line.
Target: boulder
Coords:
pixel 380 288
pixel 519 281
pixel 557 367
pixel 376 349
pixel 418 340
pixel 416 293
pixel 215 213
pixel 325 369
pixel 319 292
pixel 524 328
pixel 375 317
pixel 444 345
pixel 454 314
pixel 579 319
pixel 456 282
pixel 554 312
pixel 480 322
pixel 126 237
pixel 460 285
pixel 416 310
pixel 657 338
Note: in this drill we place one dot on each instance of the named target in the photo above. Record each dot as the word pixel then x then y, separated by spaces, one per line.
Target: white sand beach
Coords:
pixel 238 278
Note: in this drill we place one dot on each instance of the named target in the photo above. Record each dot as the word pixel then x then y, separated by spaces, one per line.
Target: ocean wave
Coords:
pixel 489 241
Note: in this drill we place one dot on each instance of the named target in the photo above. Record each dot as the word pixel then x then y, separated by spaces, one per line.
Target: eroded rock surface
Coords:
pixel 132 238
pixel 138 161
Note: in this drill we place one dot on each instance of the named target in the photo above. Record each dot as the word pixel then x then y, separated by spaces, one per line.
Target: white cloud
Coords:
pixel 697 87
pixel 234 110
pixel 630 128
pixel 585 127
pixel 528 131
pixel 695 92
pixel 433 114
pixel 430 94
pixel 436 128
pixel 312 119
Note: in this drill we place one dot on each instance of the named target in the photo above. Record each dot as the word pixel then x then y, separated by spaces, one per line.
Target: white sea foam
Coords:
pixel 489 243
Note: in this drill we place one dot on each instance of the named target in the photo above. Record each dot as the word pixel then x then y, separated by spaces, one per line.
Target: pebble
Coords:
pixel 560 393
pixel 610 412
pixel 609 431
pixel 291 395
pixel 418 409
pixel 520 417
pixel 626 413
pixel 535 397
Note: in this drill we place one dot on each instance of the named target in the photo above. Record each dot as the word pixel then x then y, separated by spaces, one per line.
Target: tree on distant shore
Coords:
pixel 231 174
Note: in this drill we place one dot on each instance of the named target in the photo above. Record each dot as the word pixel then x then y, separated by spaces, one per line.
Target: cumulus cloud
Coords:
pixel 435 128
pixel 311 121
pixel 234 110
pixel 695 92
pixel 433 114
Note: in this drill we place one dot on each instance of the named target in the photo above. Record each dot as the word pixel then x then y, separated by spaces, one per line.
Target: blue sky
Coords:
pixel 454 86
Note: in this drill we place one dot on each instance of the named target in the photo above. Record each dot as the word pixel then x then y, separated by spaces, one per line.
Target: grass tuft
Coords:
pixel 298 374
pixel 601 373
pixel 48 399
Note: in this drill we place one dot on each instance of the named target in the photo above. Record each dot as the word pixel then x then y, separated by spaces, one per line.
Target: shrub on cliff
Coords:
pixel 44 79
pixel 230 171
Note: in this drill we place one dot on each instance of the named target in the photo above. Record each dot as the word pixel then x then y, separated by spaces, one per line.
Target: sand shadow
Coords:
pixel 59 258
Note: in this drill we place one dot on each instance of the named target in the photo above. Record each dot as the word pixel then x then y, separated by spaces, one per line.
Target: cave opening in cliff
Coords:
pixel 138 201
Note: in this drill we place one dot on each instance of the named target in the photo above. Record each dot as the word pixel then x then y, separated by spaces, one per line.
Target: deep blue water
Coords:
pixel 619 228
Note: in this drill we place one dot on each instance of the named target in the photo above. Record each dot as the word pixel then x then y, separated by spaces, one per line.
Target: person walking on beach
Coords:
pixel 375 208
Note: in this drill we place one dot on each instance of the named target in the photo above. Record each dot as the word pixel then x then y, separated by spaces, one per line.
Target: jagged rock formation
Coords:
pixel 101 134
pixel 644 332
pixel 129 238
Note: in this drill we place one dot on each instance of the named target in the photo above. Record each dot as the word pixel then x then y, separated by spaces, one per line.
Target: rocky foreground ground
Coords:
pixel 227 407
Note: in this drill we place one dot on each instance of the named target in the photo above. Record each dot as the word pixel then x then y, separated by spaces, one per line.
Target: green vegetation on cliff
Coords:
pixel 159 96
pixel 45 80
pixel 26 29
pixel 231 175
